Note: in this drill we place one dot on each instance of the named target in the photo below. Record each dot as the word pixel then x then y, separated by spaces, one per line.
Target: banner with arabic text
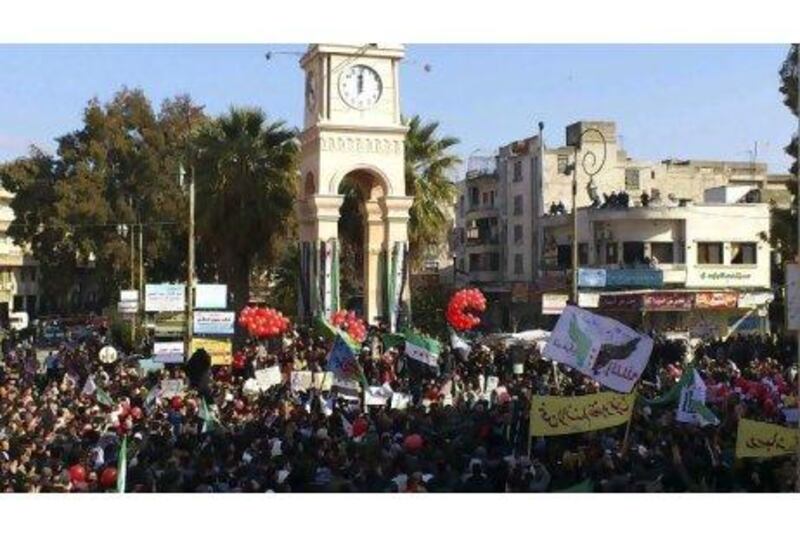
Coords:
pixel 760 439
pixel 562 415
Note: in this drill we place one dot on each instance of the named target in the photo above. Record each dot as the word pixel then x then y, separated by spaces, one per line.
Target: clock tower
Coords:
pixel 353 132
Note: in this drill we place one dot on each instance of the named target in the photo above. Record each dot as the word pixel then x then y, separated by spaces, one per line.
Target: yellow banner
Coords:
pixel 561 415
pixel 760 439
pixel 220 350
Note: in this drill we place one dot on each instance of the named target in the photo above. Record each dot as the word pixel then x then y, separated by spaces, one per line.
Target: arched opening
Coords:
pixel 361 241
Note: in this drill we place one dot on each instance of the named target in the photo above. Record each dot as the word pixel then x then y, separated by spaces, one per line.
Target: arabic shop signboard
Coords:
pixel 621 302
pixel 561 415
pixel 591 277
pixel 752 300
pixel 716 300
pixel 168 352
pixel 164 298
pixel 214 322
pixel 705 276
pixel 211 296
pixel 589 300
pixel 553 304
pixel 668 301
pixel 620 278
pixel 170 325
pixel 759 439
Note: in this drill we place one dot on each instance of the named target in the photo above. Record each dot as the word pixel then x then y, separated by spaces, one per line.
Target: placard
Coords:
pixel 322 381
pixel 129 296
pixel 220 350
pixel 400 401
pixel 211 296
pixel 760 439
pixel 170 324
pixel 553 304
pixel 164 298
pixel 171 387
pixel 377 396
pixel 168 352
pixel 128 308
pixel 268 377
pixel 562 415
pixel 214 322
pixel 301 380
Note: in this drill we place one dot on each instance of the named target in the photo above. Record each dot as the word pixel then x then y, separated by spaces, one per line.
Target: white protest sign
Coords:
pixel 603 349
pixel 164 298
pixel 171 387
pixel 491 384
pixel 377 395
pixel 349 389
pixel 301 380
pixel 322 381
pixel 400 401
pixel 168 352
pixel 268 377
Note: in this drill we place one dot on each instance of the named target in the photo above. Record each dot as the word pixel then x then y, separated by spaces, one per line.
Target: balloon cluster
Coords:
pixel 349 322
pixel 263 322
pixel 461 303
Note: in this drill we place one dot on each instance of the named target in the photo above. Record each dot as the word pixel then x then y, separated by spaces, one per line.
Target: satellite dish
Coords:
pixel 107 354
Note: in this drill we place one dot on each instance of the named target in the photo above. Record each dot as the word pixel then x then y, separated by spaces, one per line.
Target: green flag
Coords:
pixel 210 420
pixel 673 394
pixel 122 466
pixel 103 398
pixel 422 348
pixel 392 340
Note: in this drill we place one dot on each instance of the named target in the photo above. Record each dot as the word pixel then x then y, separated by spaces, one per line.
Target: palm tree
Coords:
pixel 428 162
pixel 245 189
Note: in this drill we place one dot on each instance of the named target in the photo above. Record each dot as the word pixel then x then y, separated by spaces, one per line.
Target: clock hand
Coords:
pixel 360 82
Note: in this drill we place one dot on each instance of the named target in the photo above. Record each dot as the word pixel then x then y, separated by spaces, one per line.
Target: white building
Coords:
pixel 18 270
pixel 700 269
pixel 502 212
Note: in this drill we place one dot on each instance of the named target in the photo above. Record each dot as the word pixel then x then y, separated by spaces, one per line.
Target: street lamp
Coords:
pixel 592 165
pixel 190 259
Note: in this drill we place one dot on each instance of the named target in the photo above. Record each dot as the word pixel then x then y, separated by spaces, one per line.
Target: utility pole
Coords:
pixel 141 271
pixel 190 264
pixel 575 227
pixel 133 287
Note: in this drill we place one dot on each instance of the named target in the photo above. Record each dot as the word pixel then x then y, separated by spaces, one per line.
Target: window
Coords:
pixel 709 253
pixel 474 262
pixel 517 233
pixel 518 204
pixel 474 195
pixel 491 198
pixel 743 253
pixel 663 252
pixel 494 261
pixel 485 198
pixel 633 253
pixel 517 170
pixel 517 263
pixel 563 161
pixel 564 255
pixel 461 264
pixel 632 179
pixel 583 253
pixel 612 253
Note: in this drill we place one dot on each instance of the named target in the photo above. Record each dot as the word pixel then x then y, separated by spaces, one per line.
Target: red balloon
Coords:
pixel 77 473
pixel 413 443
pixel 136 413
pixel 108 478
pixel 360 426
pixel 176 402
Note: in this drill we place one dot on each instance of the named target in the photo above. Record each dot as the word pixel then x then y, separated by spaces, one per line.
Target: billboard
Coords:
pixel 211 296
pixel 164 298
pixel 168 352
pixel 214 322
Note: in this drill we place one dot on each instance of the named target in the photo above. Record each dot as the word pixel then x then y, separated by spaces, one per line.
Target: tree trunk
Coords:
pixel 239 281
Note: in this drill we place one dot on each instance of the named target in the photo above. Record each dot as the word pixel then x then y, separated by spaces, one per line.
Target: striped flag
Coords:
pixel 422 348
pixel 122 466
pixel 103 398
pixel 342 361
pixel 210 420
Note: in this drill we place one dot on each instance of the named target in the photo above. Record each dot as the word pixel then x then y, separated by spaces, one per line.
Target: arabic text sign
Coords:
pixel 214 322
pixel 553 304
pixel 168 352
pixel 603 349
pixel 759 439
pixel 268 377
pixel 164 298
pixel 561 415
pixel 716 300
pixel 171 387
pixel 211 296
pixel 220 350
pixel 635 277
pixel 301 380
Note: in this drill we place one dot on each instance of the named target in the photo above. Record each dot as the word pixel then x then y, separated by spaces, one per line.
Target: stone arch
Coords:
pixel 380 179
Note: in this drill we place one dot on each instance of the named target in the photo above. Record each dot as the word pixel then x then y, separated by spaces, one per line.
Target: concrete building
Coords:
pixel 18 271
pixel 502 211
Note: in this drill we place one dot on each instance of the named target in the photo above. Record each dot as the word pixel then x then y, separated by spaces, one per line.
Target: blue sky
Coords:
pixel 685 101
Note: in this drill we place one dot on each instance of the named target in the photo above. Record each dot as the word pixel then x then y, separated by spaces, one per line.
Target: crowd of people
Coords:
pixel 453 436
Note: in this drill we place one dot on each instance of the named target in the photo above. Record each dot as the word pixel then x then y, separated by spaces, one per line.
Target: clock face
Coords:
pixel 360 86
pixel 311 93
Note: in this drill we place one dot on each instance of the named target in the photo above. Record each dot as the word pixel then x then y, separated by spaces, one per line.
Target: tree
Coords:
pixel 784 222
pixel 119 168
pixel 246 171
pixel 428 162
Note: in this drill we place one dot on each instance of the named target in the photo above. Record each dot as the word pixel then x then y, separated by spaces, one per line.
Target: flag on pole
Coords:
pixel 459 344
pixel 393 340
pixel 103 398
pixel 122 465
pixel 210 420
pixel 673 394
pixel 692 408
pixel 342 361
pixel 422 348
